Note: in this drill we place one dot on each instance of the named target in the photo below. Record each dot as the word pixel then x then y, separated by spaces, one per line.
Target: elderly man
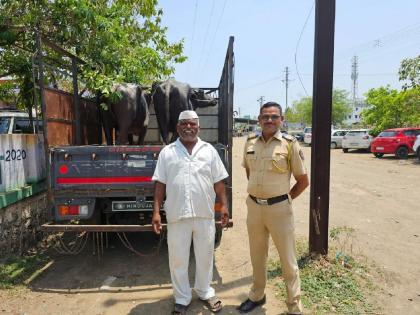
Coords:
pixel 190 173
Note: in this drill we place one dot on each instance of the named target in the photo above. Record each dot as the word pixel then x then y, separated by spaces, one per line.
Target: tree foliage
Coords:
pixel 301 110
pixel 391 108
pixel 120 40
pixel 410 71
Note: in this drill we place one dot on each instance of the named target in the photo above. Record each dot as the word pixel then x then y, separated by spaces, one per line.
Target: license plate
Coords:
pixel 379 148
pixel 132 205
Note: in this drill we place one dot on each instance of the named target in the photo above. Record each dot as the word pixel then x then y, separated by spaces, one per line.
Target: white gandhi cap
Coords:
pixel 188 114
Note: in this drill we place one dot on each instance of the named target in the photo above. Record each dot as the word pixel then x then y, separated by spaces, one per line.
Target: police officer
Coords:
pixel 269 160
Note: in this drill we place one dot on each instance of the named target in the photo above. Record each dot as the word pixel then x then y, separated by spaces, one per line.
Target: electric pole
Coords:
pixel 261 100
pixel 286 82
pixel 354 77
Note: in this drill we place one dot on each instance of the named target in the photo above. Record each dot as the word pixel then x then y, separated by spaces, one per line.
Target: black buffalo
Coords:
pixel 170 98
pixel 128 116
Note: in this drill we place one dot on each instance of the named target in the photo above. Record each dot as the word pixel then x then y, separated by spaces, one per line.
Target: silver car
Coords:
pixel 337 137
pixel 356 139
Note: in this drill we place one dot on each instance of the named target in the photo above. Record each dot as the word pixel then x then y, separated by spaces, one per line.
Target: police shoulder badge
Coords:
pixel 301 154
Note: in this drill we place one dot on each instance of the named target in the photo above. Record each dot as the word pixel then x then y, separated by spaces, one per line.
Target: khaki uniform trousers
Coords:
pixel 275 220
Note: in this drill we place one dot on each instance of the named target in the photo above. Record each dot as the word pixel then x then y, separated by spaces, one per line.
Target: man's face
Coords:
pixel 270 120
pixel 188 129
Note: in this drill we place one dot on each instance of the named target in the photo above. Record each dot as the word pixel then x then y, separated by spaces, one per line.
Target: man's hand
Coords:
pixel 224 216
pixel 157 226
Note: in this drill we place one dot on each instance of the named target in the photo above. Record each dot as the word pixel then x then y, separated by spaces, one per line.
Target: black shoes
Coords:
pixel 249 305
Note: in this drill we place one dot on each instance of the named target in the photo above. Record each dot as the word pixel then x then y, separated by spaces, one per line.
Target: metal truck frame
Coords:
pixel 100 188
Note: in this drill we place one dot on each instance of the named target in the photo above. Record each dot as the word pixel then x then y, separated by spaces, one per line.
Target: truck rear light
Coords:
pixel 365 137
pixel 63 210
pixel 73 210
pixel 83 209
pixel 63 169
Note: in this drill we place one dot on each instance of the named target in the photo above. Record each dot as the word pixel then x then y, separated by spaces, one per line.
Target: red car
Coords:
pixel 398 141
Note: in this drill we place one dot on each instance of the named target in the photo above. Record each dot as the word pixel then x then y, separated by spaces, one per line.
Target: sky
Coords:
pixel 271 35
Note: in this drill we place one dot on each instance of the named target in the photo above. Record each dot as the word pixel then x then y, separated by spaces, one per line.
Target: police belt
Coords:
pixel 269 201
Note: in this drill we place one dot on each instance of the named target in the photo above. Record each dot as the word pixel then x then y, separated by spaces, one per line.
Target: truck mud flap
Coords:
pixel 52 227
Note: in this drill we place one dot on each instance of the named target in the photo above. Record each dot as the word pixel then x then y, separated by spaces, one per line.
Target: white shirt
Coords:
pixel 189 179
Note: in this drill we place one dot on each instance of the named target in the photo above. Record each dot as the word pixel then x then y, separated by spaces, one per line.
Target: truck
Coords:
pixel 108 188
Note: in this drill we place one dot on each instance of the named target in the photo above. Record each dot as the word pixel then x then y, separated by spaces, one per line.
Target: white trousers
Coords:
pixel 180 234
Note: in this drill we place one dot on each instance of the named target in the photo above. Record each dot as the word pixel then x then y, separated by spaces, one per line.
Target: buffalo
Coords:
pixel 170 98
pixel 129 115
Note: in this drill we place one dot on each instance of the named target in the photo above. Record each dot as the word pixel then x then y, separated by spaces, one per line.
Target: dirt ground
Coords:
pixel 379 198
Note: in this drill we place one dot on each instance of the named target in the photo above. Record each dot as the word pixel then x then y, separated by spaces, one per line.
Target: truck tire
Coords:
pixel 218 236
pixel 378 155
pixel 402 153
pixel 345 150
pixel 333 145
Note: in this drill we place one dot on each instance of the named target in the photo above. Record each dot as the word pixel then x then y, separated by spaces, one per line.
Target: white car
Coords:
pixel 307 135
pixel 357 139
pixel 337 138
pixel 416 147
pixel 16 121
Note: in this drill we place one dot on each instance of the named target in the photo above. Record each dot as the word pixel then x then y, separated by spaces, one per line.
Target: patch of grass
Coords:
pixel 20 270
pixel 339 283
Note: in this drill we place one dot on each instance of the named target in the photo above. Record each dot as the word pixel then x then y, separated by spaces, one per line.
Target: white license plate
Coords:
pixel 379 148
pixel 131 205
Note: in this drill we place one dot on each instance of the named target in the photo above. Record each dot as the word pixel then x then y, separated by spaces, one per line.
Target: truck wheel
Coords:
pixel 402 153
pixel 218 236
pixel 345 150
pixel 378 155
pixel 333 145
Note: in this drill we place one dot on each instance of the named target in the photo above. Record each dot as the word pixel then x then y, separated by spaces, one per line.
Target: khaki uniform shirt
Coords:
pixel 271 163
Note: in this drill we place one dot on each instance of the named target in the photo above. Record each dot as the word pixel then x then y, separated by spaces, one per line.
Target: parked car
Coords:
pixel 416 147
pixel 356 139
pixel 307 135
pixel 398 141
pixel 299 136
pixel 337 138
pixel 16 121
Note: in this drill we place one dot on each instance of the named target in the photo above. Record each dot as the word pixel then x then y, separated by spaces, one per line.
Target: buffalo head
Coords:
pixel 200 99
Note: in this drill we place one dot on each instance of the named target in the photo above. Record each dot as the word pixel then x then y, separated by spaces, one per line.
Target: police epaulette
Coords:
pixel 252 136
pixel 289 137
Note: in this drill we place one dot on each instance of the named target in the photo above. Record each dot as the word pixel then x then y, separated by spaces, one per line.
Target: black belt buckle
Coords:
pixel 269 201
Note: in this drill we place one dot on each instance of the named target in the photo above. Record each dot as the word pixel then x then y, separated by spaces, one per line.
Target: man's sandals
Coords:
pixel 179 309
pixel 214 304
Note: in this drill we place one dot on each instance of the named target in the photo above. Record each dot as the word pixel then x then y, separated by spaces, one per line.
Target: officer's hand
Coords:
pixel 157 226
pixel 224 216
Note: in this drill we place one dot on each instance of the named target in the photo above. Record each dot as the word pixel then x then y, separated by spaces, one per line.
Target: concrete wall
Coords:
pixel 20 224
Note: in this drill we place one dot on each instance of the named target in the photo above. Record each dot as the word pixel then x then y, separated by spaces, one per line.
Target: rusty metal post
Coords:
pixel 76 102
pixel 321 125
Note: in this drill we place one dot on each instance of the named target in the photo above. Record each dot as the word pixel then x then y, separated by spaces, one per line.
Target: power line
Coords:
pixel 297 46
pixel 214 36
pixel 258 84
pixel 205 36
pixel 192 37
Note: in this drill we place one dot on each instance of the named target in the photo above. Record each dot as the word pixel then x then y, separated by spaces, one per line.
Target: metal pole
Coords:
pixel 44 114
pixel 76 102
pixel 321 125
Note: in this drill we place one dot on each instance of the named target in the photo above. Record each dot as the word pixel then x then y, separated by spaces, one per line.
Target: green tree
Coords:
pixel 301 110
pixel 410 71
pixel 120 40
pixel 391 108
